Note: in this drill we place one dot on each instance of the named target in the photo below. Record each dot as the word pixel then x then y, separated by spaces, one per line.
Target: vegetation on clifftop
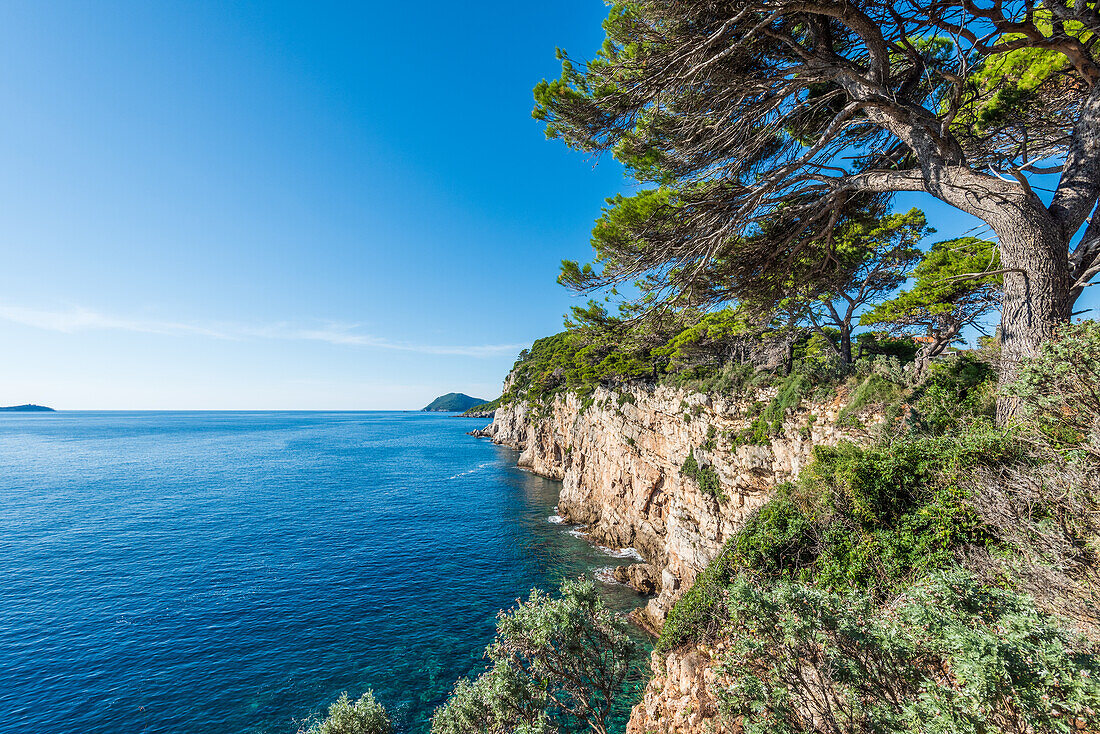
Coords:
pixel 943 578
pixel 482 408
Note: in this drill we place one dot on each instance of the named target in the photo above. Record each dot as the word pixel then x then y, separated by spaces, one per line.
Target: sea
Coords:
pixel 233 572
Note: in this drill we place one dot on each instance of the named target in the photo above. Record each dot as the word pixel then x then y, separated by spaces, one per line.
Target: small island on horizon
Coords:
pixel 453 402
pixel 27 408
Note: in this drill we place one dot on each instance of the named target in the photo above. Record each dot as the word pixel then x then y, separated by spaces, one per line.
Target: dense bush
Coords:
pixel 956 390
pixel 874 389
pixel 1060 388
pixel 950 656
pixel 713 352
pixel 558 664
pixel 363 716
pixel 873 518
pixel 705 476
pixel 731 380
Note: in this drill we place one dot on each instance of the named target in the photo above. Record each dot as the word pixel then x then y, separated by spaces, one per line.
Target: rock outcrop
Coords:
pixel 620 454
pixel 679 697
pixel 642 577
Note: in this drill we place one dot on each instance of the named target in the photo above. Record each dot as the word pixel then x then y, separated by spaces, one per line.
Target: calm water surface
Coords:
pixel 234 572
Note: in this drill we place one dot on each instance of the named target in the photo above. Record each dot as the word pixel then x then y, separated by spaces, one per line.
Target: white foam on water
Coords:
pixel 477 468
pixel 621 552
pixel 606 575
pixel 578 533
pixel 556 519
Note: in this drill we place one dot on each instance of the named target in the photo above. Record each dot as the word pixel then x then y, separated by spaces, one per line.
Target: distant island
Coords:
pixel 453 402
pixel 29 408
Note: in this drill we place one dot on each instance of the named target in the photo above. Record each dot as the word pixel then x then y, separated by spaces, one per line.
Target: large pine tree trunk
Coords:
pixel 1036 295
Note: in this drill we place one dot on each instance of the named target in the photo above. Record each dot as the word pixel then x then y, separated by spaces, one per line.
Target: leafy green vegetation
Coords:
pixel 557 665
pixel 789 396
pixel 704 475
pixel 362 716
pixel 923 582
pixel 483 407
pixel 1060 389
pixel 955 392
pixel 953 655
pixel 874 389
pixel 612 351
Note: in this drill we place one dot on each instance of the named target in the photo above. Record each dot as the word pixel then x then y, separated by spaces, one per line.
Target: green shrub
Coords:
pixel 1059 390
pixel 705 476
pixel 872 518
pixel 558 665
pixel 768 421
pixel 954 391
pixel 951 656
pixel 902 348
pixel 709 482
pixel 731 380
pixel 696 614
pixel 363 716
pixel 711 443
pixel 871 391
pixel 690 467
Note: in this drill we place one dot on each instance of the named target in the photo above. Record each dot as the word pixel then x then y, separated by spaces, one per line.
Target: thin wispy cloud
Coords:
pixel 77 319
pixel 347 335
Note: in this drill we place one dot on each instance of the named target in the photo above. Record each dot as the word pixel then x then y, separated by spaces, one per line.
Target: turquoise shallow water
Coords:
pixel 234 572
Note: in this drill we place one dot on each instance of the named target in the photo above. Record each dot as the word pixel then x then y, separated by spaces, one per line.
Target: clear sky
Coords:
pixel 310 205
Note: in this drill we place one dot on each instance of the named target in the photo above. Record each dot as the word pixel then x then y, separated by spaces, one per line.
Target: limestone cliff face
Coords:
pixel 619 456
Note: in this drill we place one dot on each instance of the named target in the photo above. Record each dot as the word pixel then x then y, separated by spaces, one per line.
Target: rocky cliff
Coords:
pixel 620 454
pixel 679 697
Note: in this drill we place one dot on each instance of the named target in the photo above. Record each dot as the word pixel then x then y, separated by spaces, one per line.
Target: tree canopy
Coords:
pixel 871 257
pixel 952 291
pixel 763 125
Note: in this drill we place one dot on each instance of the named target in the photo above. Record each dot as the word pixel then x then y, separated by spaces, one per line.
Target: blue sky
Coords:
pixel 230 205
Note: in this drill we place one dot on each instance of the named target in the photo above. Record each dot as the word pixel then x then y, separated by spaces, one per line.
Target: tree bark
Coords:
pixel 1036 295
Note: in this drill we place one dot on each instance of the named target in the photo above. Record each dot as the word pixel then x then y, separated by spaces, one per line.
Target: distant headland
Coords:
pixel 28 408
pixel 453 402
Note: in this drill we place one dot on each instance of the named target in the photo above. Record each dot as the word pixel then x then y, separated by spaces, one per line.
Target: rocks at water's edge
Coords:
pixel 619 456
pixel 644 578
pixel 479 414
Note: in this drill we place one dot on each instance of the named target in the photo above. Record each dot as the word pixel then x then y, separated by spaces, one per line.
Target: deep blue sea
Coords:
pixel 234 572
